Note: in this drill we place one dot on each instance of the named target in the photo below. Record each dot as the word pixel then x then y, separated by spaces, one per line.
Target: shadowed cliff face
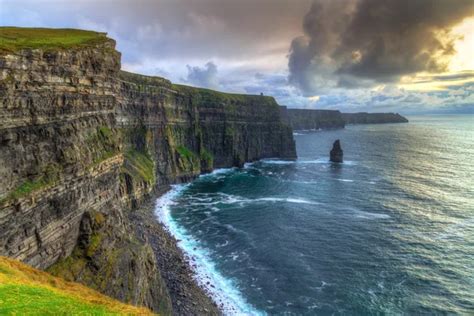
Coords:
pixel 82 145
pixel 305 119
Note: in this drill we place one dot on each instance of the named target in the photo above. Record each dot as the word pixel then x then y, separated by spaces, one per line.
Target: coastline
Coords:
pixel 191 280
pixel 187 297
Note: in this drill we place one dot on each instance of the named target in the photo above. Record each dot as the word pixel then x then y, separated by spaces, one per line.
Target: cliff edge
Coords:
pixel 308 119
pixel 84 147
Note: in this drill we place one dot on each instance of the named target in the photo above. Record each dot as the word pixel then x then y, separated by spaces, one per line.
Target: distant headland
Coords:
pixel 311 119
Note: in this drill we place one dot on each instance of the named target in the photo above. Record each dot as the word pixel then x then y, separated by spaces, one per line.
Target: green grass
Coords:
pixel 93 245
pixel 143 80
pixel 185 153
pixel 208 158
pixel 40 301
pixel 106 132
pixel 48 177
pixel 105 142
pixel 27 291
pixel 211 97
pixel 139 164
pixel 188 160
pixel 13 39
pixel 28 187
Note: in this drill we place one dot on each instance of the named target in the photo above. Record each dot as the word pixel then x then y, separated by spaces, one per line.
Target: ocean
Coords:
pixel 389 231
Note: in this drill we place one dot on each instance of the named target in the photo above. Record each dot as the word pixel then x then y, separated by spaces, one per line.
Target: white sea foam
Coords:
pixel 278 162
pixel 220 171
pixel 223 291
pixel 345 180
pixel 224 198
pixel 288 200
pixel 368 215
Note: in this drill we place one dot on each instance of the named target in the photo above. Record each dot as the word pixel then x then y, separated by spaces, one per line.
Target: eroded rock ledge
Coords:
pixel 84 147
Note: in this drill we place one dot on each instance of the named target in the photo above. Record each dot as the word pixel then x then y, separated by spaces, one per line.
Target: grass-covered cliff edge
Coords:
pixel 28 291
pixel 84 146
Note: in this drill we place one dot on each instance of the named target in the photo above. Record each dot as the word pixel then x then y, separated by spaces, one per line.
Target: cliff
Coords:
pixel 306 119
pixel 373 118
pixel 84 146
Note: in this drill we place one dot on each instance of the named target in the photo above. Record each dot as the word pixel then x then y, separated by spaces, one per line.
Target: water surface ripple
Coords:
pixel 390 231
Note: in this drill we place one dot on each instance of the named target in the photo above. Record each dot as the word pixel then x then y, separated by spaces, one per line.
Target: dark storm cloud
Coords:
pixel 354 43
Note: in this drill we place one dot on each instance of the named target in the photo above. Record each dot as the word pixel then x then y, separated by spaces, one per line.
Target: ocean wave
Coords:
pixel 223 291
pixel 288 200
pixel 345 180
pixel 210 200
pixel 278 162
pixel 218 173
pixel 224 198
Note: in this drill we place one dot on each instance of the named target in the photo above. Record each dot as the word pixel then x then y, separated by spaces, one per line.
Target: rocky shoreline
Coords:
pixel 84 148
pixel 187 297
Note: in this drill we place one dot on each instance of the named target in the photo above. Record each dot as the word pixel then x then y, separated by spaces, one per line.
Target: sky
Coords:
pixel 406 56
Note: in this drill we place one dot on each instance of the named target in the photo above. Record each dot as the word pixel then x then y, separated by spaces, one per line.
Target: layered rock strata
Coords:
pixel 83 145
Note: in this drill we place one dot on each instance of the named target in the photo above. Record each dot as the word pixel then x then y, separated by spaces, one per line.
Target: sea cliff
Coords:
pixel 307 119
pixel 84 149
pixel 373 118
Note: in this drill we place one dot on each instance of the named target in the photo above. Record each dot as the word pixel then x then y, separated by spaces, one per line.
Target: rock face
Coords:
pixel 303 119
pixel 306 119
pixel 336 154
pixel 373 118
pixel 83 145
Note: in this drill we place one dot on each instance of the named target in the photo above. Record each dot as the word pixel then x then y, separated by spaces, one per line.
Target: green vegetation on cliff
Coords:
pixel 139 164
pixel 142 80
pixel 207 158
pixel 27 291
pixel 212 97
pixel 13 39
pixel 48 177
pixel 189 160
pixel 103 143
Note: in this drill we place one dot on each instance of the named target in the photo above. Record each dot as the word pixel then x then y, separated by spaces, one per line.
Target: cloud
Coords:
pixel 359 43
pixel 255 47
pixel 203 76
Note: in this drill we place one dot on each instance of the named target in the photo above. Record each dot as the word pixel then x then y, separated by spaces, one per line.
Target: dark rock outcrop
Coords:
pixel 83 145
pixel 373 118
pixel 305 119
pixel 336 154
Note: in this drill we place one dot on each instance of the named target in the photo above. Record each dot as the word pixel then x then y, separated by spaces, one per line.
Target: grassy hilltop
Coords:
pixel 27 291
pixel 13 39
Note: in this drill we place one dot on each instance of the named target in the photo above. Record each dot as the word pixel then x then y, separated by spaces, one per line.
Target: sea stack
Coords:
pixel 336 152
